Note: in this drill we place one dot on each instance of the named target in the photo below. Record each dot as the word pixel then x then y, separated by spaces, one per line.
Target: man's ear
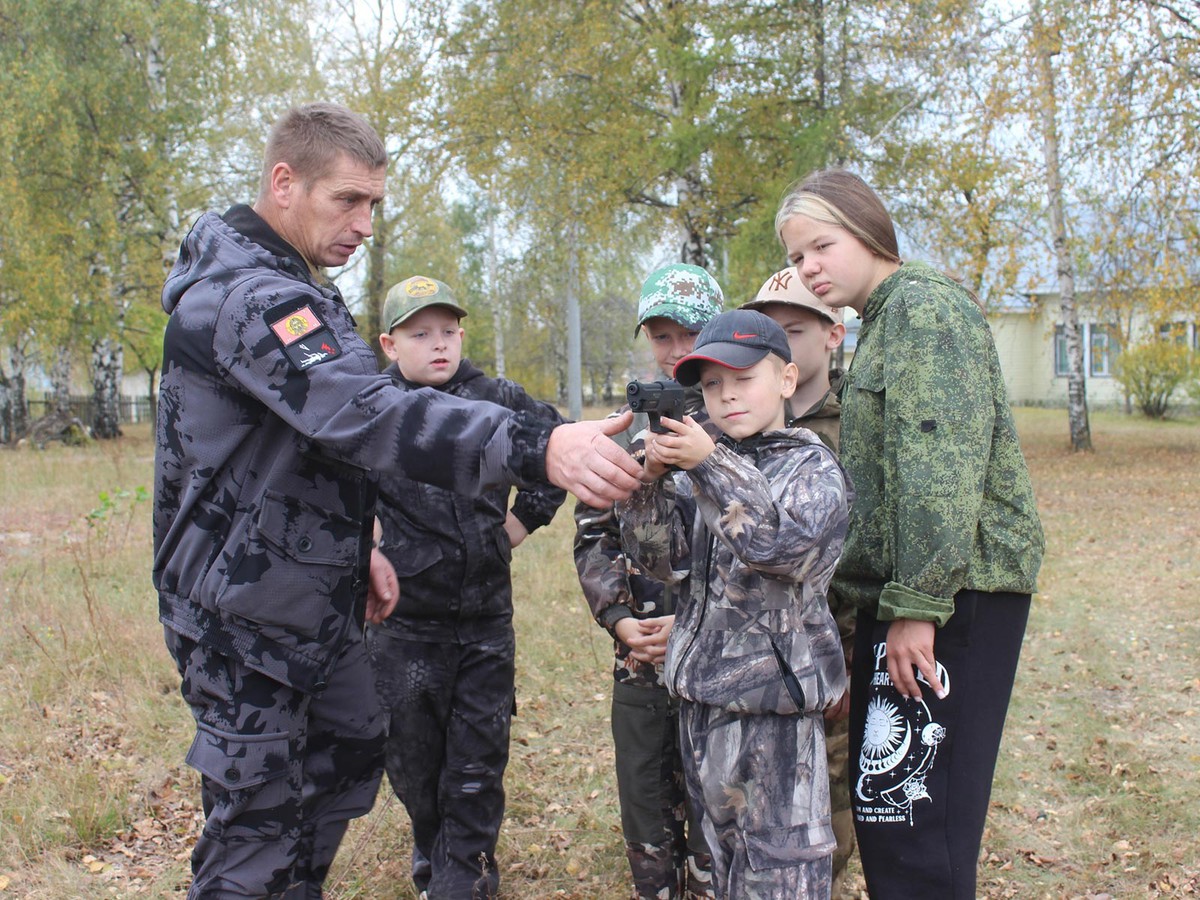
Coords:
pixel 837 334
pixel 283 184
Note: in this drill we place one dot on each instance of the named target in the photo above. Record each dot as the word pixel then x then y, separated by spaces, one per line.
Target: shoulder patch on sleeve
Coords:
pixel 316 347
pixel 292 326
pixel 306 339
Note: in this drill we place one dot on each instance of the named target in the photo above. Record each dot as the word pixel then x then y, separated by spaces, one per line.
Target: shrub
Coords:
pixel 1151 372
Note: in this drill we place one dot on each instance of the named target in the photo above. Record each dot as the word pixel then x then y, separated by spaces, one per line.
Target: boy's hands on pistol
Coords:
pixel 645 638
pixel 685 446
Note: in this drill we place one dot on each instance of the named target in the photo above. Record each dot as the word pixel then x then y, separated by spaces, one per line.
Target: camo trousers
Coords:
pixel 668 857
pixel 449 707
pixel 282 772
pixel 837 757
pixel 761 784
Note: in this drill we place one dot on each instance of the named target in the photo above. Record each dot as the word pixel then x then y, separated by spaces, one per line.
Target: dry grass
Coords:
pixel 1097 791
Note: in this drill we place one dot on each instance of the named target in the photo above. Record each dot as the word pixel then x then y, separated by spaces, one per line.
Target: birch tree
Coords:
pixel 1044 43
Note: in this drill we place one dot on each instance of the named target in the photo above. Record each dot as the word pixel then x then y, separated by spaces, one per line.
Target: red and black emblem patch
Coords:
pixel 306 340
pixel 318 347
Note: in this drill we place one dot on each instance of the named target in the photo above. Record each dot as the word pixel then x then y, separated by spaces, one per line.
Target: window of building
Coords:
pixel 1062 365
pixel 1176 332
pixel 1103 346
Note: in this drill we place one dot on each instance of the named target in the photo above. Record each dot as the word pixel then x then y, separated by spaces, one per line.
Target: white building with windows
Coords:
pixel 1033 350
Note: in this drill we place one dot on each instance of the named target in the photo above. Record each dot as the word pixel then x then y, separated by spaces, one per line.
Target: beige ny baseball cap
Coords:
pixel 785 286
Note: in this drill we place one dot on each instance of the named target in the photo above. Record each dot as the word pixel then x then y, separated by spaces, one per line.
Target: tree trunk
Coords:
pixel 497 294
pixel 694 250
pixel 1045 46
pixel 60 381
pixel 574 345
pixel 6 407
pixel 15 403
pixel 376 275
pixel 107 366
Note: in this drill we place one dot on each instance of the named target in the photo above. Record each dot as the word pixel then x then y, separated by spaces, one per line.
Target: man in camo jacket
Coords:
pixel 667 859
pixel 272 417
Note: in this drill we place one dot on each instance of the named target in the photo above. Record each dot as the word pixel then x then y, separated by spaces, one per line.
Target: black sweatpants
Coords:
pixel 921 770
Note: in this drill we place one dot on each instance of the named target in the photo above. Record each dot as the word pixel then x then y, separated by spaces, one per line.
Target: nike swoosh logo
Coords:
pixel 739 336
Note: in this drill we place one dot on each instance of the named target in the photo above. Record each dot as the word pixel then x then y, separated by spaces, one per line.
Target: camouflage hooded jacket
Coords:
pixel 614 587
pixel 752 535
pixel 450 551
pixel 272 419
pixel 824 419
pixel 944 497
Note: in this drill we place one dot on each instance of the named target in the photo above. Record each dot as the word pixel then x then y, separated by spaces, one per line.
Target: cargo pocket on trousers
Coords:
pixel 249 773
pixel 779 848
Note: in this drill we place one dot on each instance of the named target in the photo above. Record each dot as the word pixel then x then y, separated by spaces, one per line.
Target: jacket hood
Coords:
pixel 467 371
pixel 770 441
pixel 216 249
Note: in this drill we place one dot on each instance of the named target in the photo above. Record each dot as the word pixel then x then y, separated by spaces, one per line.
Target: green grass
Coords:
pixel 1096 791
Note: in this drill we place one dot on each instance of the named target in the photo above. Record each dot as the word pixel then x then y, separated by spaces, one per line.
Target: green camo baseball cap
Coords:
pixel 414 294
pixel 682 293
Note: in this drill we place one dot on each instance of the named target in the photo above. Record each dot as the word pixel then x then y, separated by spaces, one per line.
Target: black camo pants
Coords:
pixel 449 707
pixel 282 771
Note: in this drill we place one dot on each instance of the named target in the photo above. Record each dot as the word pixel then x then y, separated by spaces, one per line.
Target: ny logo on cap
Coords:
pixel 781 280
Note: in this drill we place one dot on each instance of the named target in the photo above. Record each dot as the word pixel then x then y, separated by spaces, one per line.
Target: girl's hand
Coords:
pixel 909 646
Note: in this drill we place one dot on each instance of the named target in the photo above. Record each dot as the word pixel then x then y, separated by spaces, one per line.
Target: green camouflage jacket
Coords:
pixel 823 418
pixel 944 498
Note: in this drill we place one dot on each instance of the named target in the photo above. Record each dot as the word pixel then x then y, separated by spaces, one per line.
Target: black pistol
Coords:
pixel 656 399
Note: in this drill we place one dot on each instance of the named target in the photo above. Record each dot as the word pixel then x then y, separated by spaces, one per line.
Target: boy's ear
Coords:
pixel 790 376
pixel 388 344
pixel 837 334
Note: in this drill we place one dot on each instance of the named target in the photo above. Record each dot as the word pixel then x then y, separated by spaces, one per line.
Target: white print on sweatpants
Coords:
pixel 899 743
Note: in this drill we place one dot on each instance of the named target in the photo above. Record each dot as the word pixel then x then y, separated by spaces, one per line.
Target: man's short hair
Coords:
pixel 309 138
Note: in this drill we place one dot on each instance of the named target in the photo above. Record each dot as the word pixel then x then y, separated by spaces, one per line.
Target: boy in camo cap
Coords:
pixel 667 854
pixel 444 660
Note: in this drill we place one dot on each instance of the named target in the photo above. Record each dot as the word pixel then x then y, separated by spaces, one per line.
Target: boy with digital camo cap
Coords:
pixel 814 330
pixel 444 660
pixel 750 528
pixel 666 851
